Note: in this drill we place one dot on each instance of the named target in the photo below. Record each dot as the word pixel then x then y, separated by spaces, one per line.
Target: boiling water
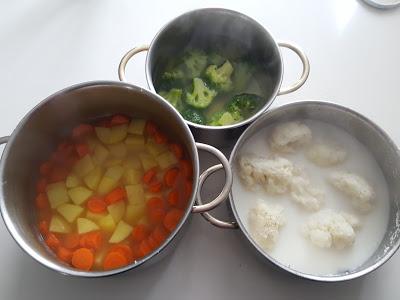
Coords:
pixel 292 249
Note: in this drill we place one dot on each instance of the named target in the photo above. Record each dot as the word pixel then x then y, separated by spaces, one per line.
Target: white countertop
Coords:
pixel 354 52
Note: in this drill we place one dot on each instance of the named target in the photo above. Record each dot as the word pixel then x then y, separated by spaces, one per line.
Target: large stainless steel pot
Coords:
pixel 204 28
pixel 375 139
pixel 40 130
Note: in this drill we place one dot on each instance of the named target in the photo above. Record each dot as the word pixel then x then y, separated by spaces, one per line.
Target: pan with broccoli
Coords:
pixel 211 89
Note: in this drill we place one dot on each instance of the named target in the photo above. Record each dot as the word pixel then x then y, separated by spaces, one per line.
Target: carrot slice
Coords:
pixel 52 241
pixel 140 232
pixel 156 215
pixel 96 204
pixel 160 138
pixel 45 168
pixel 188 188
pixel 186 168
pixel 155 187
pixel 160 234
pixel 115 195
pixel 58 174
pixel 82 259
pixel 71 240
pixel 41 185
pixel 91 240
pixel 82 130
pixel 137 253
pixel 125 250
pixel 151 128
pixel 82 149
pixel 152 242
pixel 114 260
pixel 173 198
pixel 149 175
pixel 64 254
pixel 119 120
pixel 177 150
pixel 44 228
pixel 145 248
pixel 172 218
pixel 170 177
pixel 41 201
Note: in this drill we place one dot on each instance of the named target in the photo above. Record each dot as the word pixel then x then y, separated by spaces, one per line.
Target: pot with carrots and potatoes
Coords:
pixel 100 178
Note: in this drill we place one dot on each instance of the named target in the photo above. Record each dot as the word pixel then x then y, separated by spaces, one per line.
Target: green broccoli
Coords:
pixel 195 62
pixel 193 115
pixel 202 96
pixel 173 96
pixel 216 59
pixel 220 77
pixel 222 118
pixel 174 74
pixel 244 105
pixel 242 75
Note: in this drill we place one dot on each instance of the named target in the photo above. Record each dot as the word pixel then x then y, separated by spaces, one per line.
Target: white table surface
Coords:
pixel 354 52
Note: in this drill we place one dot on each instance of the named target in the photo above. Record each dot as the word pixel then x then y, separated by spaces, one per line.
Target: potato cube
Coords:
pixel 117 210
pixel 106 185
pixel 121 232
pixel 93 178
pixel 148 161
pixel 134 212
pixel 112 162
pixel 111 135
pixel 79 194
pixel 137 126
pixel 118 150
pixel 95 217
pixel 135 140
pixel 84 166
pixel 135 193
pixel 57 194
pixel 59 225
pixel 166 160
pixel 132 162
pixel 155 149
pixel 114 172
pixel 72 181
pixel 92 142
pixel 85 225
pixel 100 153
pixel 107 223
pixel 69 211
pixel 132 176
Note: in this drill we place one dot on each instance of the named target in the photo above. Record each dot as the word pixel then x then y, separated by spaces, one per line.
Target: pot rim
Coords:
pixel 321 278
pixel 65 270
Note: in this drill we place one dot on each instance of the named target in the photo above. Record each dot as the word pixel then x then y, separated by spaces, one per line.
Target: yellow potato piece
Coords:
pixel 137 126
pixel 92 142
pixel 111 135
pixel 166 160
pixel 85 225
pixel 118 150
pixel 95 217
pixel 135 193
pixel 107 223
pixel 100 153
pixel 132 162
pixel 113 162
pixel 79 194
pixel 69 211
pixel 135 212
pixel 72 181
pixel 117 210
pixel 114 172
pixel 92 179
pixel 155 149
pixel 110 179
pixel 59 225
pixel 57 194
pixel 84 166
pixel 132 176
pixel 121 232
pixel 148 161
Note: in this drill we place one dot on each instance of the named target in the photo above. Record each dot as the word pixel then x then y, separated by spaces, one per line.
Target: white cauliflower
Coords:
pixel 305 194
pixel 287 137
pixel 272 174
pixel 355 187
pixel 264 222
pixel 328 228
pixel 325 155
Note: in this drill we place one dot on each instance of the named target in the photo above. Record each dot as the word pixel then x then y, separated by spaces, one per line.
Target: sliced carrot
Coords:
pixel 71 240
pixel 160 138
pixel 45 168
pixel 91 240
pixel 188 188
pixel 44 228
pixel 41 201
pixel 83 259
pixel 125 250
pixel 155 187
pixel 172 218
pixel 140 232
pixel 173 198
pixel 170 177
pixel 64 254
pixel 154 203
pixel 114 260
pixel 151 128
pixel 52 241
pixel 157 215
pixel 82 130
pixel 160 234
pixel 137 253
pixel 119 120
pixel 115 195
pixel 96 204
pixel 152 242
pixel 177 150
pixel 82 149
pixel 186 168
pixel 149 175
pixel 41 185
pixel 58 174
pixel 145 248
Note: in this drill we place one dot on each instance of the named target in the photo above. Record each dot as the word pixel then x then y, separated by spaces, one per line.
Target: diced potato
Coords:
pixel 137 126
pixel 134 212
pixel 92 142
pixel 132 162
pixel 114 172
pixel 155 149
pixel 85 225
pixel 79 194
pixel 135 193
pixel 113 162
pixel 57 194
pixel 121 232
pixel 107 223
pixel 132 176
pixel 166 160
pixel 100 153
pixel 118 150
pixel 117 210
pixel 106 185
pixel 69 211
pixel 135 140
pixel 111 135
pixel 148 161
pixel 72 181
pixel 59 225
pixel 93 178
pixel 84 166
pixel 95 217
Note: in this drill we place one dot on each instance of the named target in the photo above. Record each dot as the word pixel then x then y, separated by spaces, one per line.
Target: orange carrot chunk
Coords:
pixel 177 150
pixel 52 241
pixel 173 198
pixel 125 250
pixel 44 228
pixel 151 128
pixel 114 260
pixel 154 203
pixel 145 248
pixel 96 204
pixel 172 218
pixel 170 177
pixel 149 175
pixel 115 195
pixel 160 234
pixel 82 130
pixel 41 201
pixel 41 185
pixel 188 188
pixel 71 240
pixel 140 232
pixel 160 138
pixel 156 215
pixel 83 259
pixel 155 187
pixel 119 120
pixel 186 168
pixel 82 149
pixel 91 240
pixel 58 174
pixel 64 254
pixel 45 168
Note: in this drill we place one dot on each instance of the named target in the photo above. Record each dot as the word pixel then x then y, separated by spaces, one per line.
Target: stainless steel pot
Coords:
pixel 375 139
pixel 202 29
pixel 39 131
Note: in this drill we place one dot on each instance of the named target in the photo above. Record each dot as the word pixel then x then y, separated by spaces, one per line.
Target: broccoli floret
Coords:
pixel 193 115
pixel 173 96
pixel 244 105
pixel 202 96
pixel 220 77
pixel 195 62
pixel 216 59
pixel 175 74
pixel 241 76
pixel 222 118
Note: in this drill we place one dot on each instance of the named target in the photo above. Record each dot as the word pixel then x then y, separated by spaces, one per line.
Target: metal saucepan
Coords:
pixel 204 28
pixel 39 131
pixel 375 139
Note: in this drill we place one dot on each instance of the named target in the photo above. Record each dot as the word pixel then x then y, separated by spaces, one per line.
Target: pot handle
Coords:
pixel 127 57
pixel 4 139
pixel 201 208
pixel 306 68
pixel 206 215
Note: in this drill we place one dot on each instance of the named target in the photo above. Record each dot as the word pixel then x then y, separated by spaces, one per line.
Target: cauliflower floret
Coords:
pixel 272 174
pixel 288 136
pixel 355 187
pixel 328 228
pixel 264 222
pixel 325 155
pixel 305 194
pixel 352 220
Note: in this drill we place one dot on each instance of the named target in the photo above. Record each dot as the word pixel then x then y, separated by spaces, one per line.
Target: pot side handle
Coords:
pixel 127 57
pixel 4 139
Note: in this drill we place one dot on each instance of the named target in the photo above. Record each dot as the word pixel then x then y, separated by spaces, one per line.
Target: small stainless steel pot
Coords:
pixel 39 131
pixel 375 139
pixel 202 29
